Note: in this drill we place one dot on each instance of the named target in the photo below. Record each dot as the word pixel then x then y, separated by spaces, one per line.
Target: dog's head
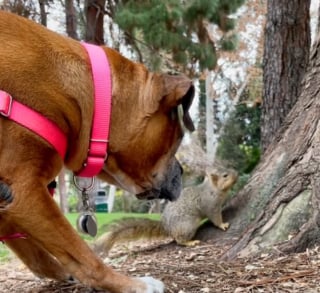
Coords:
pixel 149 117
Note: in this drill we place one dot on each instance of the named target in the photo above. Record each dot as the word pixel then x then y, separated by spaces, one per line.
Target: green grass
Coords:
pixel 106 218
pixel 4 253
pixel 102 219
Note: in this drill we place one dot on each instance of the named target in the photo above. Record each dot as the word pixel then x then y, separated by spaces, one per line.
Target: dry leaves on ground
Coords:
pixel 188 270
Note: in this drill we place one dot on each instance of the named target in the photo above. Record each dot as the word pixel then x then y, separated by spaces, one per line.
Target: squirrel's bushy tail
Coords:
pixel 129 229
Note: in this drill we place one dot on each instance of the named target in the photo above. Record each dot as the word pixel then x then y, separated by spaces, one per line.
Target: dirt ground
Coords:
pixel 187 270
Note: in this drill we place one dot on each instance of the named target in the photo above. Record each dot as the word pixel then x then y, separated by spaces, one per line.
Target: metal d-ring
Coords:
pixel 87 222
pixel 83 188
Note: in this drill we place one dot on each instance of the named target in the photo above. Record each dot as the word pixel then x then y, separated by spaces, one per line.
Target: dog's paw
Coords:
pixel 153 285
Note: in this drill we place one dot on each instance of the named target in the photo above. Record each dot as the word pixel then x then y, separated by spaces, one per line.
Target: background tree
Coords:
pixel 43 12
pixel 286 52
pixel 279 206
pixel 177 35
pixel 177 30
pixel 23 8
pixel 71 19
pixel 62 186
pixel 281 199
pixel 240 142
pixel 94 29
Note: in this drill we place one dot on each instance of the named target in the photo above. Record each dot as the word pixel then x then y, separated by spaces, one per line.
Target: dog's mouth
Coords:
pixel 158 193
pixel 149 194
pixel 170 187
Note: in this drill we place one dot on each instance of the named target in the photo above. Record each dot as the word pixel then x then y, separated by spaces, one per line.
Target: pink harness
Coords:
pixel 49 131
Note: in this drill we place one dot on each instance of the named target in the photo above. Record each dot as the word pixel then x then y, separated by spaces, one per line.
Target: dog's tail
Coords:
pixel 129 229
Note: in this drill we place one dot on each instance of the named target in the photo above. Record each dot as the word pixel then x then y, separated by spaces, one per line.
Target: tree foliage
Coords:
pixel 240 142
pixel 179 27
pixel 25 8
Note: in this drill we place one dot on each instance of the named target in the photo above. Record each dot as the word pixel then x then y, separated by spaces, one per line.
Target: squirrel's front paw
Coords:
pixel 153 285
pixel 224 226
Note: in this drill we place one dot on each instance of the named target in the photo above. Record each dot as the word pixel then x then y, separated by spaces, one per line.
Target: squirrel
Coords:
pixel 181 218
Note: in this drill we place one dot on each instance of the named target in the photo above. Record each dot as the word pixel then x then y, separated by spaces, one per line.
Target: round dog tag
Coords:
pixel 87 224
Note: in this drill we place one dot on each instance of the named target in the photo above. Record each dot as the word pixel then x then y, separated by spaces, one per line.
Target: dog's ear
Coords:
pixel 179 90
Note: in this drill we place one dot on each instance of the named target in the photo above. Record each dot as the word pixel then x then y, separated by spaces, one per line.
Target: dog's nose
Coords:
pixel 172 185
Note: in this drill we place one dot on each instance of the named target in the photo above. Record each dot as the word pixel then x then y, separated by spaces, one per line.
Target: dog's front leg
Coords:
pixel 38 216
pixel 37 259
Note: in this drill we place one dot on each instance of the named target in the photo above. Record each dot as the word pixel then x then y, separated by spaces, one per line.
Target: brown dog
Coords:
pixel 51 74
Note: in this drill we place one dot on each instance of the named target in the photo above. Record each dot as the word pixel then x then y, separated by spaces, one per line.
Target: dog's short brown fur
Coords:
pixel 51 74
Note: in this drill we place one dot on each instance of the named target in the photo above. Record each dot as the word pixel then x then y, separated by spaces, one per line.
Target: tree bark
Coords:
pixel 63 192
pixel 43 13
pixel 209 119
pixel 94 10
pixel 318 22
pixel 71 19
pixel 286 53
pixel 279 207
pixel 202 114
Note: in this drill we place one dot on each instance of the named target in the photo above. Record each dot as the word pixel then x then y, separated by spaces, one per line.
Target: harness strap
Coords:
pixel 49 131
pixel 34 121
pixel 101 76
pixel 13 236
pixel 52 186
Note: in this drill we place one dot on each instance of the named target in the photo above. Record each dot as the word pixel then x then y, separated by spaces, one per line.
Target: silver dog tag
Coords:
pixel 87 224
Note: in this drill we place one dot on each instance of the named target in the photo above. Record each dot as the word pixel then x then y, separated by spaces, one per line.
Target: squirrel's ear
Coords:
pixel 178 90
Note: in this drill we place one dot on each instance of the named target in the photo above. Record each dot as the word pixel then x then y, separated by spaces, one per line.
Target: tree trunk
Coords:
pixel 279 207
pixel 43 13
pixel 211 139
pixel 63 192
pixel 71 19
pixel 202 113
pixel 94 10
pixel 286 53
pixel 111 197
pixel 318 22
pixel 127 198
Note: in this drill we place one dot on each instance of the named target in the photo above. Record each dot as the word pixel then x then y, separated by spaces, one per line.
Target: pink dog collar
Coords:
pixel 102 111
pixel 34 121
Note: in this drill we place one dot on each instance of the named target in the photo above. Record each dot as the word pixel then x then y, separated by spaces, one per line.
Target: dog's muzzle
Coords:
pixel 170 188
